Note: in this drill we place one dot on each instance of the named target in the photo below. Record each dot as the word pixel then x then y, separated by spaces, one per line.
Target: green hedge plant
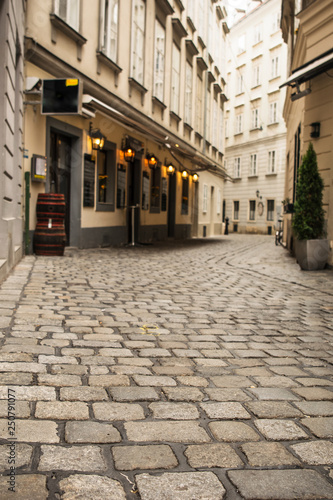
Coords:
pixel 309 215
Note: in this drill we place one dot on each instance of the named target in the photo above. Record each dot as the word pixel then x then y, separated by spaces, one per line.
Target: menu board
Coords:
pixel 89 181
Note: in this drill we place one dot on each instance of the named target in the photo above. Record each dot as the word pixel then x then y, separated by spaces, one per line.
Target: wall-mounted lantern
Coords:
pixel 129 152
pixel 97 138
pixel 315 129
pixel 152 160
pixel 170 169
pixel 184 174
pixel 195 177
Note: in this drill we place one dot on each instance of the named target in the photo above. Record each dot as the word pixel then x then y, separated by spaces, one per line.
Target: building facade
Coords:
pixel 147 75
pixel 255 133
pixel 307 27
pixel 12 18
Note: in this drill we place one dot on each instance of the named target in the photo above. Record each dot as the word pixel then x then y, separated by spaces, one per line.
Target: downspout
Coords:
pixel 206 82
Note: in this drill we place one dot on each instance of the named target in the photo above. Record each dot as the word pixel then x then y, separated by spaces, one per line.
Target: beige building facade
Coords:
pixel 12 17
pixel 307 27
pixel 147 75
pixel 255 133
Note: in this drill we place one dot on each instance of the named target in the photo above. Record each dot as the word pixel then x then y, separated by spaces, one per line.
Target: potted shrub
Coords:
pixel 312 251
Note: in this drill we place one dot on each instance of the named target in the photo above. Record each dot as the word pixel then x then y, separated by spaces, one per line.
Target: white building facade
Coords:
pixel 255 133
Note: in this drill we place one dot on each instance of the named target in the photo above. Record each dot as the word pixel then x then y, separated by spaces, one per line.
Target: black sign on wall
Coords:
pixel 89 181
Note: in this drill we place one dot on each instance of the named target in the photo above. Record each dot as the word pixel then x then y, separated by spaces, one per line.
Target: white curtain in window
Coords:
pixel 188 93
pixel 68 11
pixel 159 60
pixel 175 84
pixel 138 40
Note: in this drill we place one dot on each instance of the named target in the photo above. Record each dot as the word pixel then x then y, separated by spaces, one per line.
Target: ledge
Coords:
pixel 137 86
pixel 159 103
pixel 175 117
pixel 191 48
pixel 178 28
pixel 191 24
pixel 188 127
pixel 61 25
pixel 103 59
pixel 201 63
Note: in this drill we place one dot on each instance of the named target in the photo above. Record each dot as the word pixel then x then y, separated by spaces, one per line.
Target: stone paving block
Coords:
pixel 118 411
pixel 276 381
pixel 173 431
pixel 59 380
pixel 83 394
pixel 22 367
pixel 154 381
pixel 99 370
pixel 62 410
pixel 227 394
pixel 108 380
pixel 69 369
pixel 259 371
pixel 212 455
pixel 35 484
pixel 280 430
pixel 314 393
pixel 210 362
pixel 193 381
pixel 57 360
pixel 32 431
pixel 187 353
pixel 281 484
pixel 174 411
pixel 92 487
pixel 116 353
pixel 316 408
pixel 216 353
pixel 312 381
pixel 232 381
pixel 98 360
pixel 30 393
pixel 154 353
pixel 183 393
pixel 225 411
pixel 315 452
pixel 273 409
pixel 80 458
pixel 22 409
pixel 19 452
pixel 229 431
pixel 180 486
pixel 134 394
pixel 144 457
pixel 273 393
pixel 172 370
pixel 91 432
pixel 321 427
pixel 263 454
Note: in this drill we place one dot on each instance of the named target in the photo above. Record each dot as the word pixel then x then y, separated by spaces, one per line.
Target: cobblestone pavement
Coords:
pixel 184 371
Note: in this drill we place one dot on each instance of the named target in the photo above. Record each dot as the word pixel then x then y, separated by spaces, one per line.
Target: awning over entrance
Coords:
pixel 310 70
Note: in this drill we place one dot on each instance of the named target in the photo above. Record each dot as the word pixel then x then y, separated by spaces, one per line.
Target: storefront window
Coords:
pixel 155 189
pixel 164 201
pixel 121 186
pixel 106 170
pixel 185 194
pixel 145 191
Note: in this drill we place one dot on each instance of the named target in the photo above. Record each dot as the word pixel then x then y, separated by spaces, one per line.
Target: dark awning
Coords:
pixel 313 68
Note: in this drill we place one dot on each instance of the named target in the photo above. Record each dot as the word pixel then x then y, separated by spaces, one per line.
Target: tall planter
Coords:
pixel 312 251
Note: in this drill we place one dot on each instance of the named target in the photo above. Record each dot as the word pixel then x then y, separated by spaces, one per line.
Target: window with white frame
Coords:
pixel 221 121
pixel 226 128
pixel 208 114
pixel 218 202
pixel 239 124
pixel 215 128
pixel 138 40
pixel 159 60
pixel 256 73
pixel 255 118
pixel 235 210
pixel 272 162
pixel 270 210
pixel 241 44
pixel 240 84
pixel 68 11
pixel 188 93
pixel 257 34
pixel 275 70
pixel 198 107
pixel 252 210
pixel 109 28
pixel 276 18
pixel 175 79
pixel 253 164
pixel 273 109
pixel 205 199
pixel 237 168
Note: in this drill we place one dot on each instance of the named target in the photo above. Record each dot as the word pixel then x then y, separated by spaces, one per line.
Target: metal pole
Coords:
pixel 133 218
pixel 27 212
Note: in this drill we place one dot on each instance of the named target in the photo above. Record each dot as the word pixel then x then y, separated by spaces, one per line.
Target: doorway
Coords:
pixel 172 206
pixel 133 199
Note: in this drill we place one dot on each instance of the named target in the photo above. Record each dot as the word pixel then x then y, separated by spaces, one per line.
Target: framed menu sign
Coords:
pixel 89 181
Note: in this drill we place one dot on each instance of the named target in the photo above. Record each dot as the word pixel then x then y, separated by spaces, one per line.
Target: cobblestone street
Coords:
pixel 197 370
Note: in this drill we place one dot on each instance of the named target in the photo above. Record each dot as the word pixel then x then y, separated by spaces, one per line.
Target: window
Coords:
pixel 159 61
pixel 121 186
pixel 237 168
pixel 208 115
pixel 276 21
pixel 255 118
pixel 226 128
pixel 198 106
pixel 270 210
pixel 275 66
pixel 252 210
pixel 185 194
pixel 155 189
pixel 273 112
pixel 218 202
pixel 272 162
pixel 236 210
pixel 164 198
pixel 253 165
pixel 106 169
pixel 240 84
pixel 138 40
pixel 256 76
pixel 257 34
pixel 145 191
pixel 215 128
pixel 68 11
pixel 109 29
pixel 205 199
pixel 188 93
pixel 239 124
pixel 221 138
pixel 241 44
pixel 175 83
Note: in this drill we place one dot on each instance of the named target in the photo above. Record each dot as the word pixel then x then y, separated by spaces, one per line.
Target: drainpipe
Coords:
pixel 27 212
pixel 206 80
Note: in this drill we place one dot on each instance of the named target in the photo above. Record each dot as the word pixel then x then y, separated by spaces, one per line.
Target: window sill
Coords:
pixel 137 86
pixel 59 24
pixel 253 176
pixel 272 124
pixel 175 117
pixel 104 59
pixel 238 133
pixel 188 127
pixel 271 174
pixel 274 78
pixel 256 129
pixel 158 102
pixel 237 178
